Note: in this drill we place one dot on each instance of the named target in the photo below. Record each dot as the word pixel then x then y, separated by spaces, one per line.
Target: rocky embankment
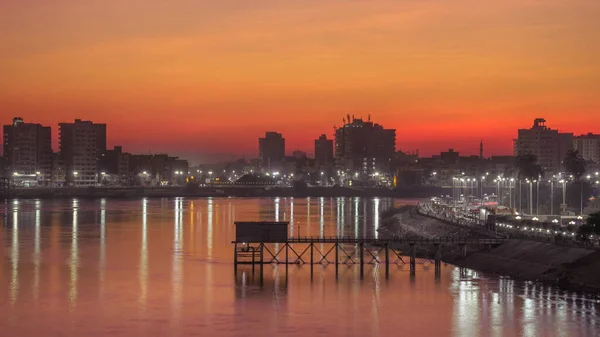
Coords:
pixel 572 268
pixel 408 222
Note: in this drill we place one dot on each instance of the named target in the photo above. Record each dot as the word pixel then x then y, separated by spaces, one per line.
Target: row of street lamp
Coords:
pixel 501 182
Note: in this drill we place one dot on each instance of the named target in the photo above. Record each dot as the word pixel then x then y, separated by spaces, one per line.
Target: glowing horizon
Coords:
pixel 207 77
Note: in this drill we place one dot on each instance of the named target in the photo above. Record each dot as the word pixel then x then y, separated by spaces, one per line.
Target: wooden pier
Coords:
pixel 263 243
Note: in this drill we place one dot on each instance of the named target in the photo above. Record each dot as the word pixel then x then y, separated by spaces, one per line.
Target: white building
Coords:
pixel 548 145
pixel 589 147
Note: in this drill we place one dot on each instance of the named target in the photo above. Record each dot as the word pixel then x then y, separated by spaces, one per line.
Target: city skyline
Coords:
pixel 172 76
pixel 197 158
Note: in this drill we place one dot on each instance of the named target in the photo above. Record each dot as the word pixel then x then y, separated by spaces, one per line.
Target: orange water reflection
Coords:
pixel 163 267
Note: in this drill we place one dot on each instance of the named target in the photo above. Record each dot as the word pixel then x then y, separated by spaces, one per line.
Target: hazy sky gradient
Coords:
pixel 197 76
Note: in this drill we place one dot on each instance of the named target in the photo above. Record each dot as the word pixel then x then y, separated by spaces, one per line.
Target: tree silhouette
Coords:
pixel 574 164
pixel 527 167
pixel 592 225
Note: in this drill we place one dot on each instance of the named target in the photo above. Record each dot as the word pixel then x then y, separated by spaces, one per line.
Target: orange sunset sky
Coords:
pixel 197 78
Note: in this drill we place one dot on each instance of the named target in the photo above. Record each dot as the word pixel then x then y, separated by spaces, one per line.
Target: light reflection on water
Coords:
pixel 164 267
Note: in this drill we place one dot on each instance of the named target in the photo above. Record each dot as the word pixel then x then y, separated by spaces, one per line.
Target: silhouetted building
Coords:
pixel 28 153
pixel 81 145
pixel 271 151
pixel 158 169
pixel 114 165
pixel 409 176
pixel 364 148
pixel 299 154
pixel 3 167
pixel 548 145
pixel 450 157
pixel 323 152
pixel 589 147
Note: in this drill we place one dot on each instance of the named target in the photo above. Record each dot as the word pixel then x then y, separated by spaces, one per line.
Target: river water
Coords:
pixel 163 267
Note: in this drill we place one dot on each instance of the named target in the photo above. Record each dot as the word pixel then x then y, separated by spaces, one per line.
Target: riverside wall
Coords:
pixel 568 267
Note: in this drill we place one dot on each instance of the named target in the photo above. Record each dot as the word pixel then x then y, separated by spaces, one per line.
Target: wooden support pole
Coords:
pixel 438 260
pixel 336 260
pixel 253 260
pixel 463 249
pixel 387 260
pixel 312 245
pixel 262 248
pixel 362 260
pixel 287 262
pixel 413 258
pixel 235 258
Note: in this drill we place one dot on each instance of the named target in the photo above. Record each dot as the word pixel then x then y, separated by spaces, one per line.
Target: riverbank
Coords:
pixel 572 268
pixel 221 191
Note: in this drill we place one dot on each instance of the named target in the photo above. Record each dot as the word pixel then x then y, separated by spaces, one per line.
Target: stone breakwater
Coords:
pixel 573 268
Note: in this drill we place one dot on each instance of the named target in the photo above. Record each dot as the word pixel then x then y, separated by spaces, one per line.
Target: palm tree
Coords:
pixel 528 169
pixel 575 166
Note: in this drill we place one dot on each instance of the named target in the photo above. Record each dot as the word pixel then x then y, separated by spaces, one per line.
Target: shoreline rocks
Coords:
pixel 571 268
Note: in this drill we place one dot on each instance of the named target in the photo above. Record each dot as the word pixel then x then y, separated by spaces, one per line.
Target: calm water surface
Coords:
pixel 163 267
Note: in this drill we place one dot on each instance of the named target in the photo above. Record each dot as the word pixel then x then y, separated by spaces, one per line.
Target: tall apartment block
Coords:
pixel 364 147
pixel 81 145
pixel 548 145
pixel 271 151
pixel 28 153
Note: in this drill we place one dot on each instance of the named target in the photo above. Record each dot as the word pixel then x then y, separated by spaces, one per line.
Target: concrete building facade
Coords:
pixel 364 148
pixel 271 151
pixel 324 152
pixel 549 145
pixel 28 153
pixel 81 145
pixel 589 147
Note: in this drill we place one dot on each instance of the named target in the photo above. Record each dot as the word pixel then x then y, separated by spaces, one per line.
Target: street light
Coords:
pixel 537 197
pixel 530 196
pixel 551 181
pixel 564 183
pixel 481 187
pixel 510 193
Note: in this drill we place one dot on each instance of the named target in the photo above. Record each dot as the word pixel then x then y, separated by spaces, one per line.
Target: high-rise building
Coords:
pixel 364 147
pixel 589 147
pixel 271 151
pixel 28 152
pixel 323 151
pixel 81 145
pixel 548 145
